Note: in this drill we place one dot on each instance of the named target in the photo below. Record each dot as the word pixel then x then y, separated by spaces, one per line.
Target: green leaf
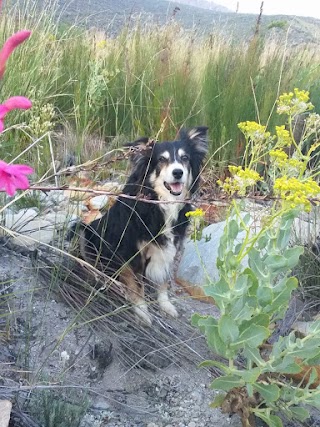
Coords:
pixel 231 261
pixel 227 382
pixel 241 311
pixel 228 329
pixel 246 218
pixel 256 264
pixel 219 291
pixel 222 245
pixel 195 321
pixel 276 263
pixel 269 392
pixel 314 327
pixel 250 375
pixel 253 283
pixel 264 295
pixel 233 229
pixel 270 420
pixel 253 355
pixel 305 352
pixel 288 368
pixel 209 363
pixel 283 238
pixel 313 376
pixel 299 413
pixel 211 332
pixel 287 220
pixel 218 401
pixel 292 255
pixel 262 242
pixel 241 285
pixel 253 336
pixel 281 299
pixel 260 320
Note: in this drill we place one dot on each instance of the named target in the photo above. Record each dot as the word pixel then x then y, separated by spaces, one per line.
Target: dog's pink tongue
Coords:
pixel 176 187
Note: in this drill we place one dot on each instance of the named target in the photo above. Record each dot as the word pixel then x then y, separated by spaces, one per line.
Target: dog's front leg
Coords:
pixel 164 303
pixel 135 294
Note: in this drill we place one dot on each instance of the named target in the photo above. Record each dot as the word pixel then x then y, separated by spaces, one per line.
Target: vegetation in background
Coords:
pixel 148 80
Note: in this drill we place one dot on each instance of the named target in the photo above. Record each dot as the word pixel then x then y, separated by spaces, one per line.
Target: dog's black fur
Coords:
pixel 136 239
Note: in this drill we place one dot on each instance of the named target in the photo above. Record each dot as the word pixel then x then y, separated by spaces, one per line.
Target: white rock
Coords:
pixel 17 220
pixel 98 202
pixel 5 411
pixel 198 263
pixel 60 220
pixel 34 232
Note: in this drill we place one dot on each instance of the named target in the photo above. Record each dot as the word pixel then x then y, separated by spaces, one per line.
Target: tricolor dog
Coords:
pixel 136 241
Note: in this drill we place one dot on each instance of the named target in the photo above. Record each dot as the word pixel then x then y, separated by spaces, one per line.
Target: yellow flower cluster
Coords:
pixel 195 214
pixel 253 130
pixel 293 103
pixel 296 192
pixel 278 155
pixel 284 138
pixel 240 181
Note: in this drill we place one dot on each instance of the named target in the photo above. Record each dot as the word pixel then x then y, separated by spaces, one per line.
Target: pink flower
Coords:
pixel 12 177
pixel 9 46
pixel 13 103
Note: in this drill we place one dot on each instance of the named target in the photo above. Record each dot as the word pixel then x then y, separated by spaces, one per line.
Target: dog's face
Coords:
pixel 172 168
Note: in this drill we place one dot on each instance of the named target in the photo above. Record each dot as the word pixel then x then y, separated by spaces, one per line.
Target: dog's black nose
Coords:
pixel 177 173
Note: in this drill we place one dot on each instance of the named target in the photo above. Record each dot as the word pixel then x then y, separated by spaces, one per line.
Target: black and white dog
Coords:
pixel 136 240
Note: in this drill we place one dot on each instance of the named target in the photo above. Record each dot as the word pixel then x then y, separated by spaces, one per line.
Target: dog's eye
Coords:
pixel 184 158
pixel 162 159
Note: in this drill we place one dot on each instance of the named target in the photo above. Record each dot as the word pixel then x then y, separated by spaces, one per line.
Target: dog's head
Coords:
pixel 170 168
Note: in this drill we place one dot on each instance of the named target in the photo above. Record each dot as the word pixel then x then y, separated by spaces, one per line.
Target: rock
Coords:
pixel 306 228
pixel 97 202
pixel 198 263
pixel 15 221
pixel 5 411
pixel 60 220
pixel 113 187
pixel 34 232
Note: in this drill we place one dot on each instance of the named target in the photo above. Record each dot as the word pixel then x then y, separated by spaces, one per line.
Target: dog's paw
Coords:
pixel 167 307
pixel 143 315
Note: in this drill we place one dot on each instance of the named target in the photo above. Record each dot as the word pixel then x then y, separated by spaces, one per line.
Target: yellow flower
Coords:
pixel 240 181
pixel 197 213
pixel 296 192
pixel 254 131
pixel 278 155
pixel 293 103
pixel 284 138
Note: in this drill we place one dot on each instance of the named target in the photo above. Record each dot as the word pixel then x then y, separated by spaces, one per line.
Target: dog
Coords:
pixel 137 238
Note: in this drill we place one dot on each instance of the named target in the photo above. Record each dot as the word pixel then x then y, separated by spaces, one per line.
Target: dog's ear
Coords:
pixel 140 150
pixel 198 138
pixel 140 155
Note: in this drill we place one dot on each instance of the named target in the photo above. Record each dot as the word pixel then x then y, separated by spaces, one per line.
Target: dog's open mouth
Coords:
pixel 175 188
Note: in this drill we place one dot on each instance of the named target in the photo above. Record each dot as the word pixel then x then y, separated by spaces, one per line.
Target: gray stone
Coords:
pixel 198 263
pixel 5 411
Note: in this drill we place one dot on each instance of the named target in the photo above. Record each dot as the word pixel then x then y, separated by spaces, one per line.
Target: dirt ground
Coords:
pixel 61 347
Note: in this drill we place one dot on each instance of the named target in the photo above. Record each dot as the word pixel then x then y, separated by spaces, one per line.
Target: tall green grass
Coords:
pixel 148 80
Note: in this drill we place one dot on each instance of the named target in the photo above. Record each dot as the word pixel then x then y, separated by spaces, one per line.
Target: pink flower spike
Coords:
pixel 9 47
pixel 13 103
pixel 12 177
pixel 17 102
